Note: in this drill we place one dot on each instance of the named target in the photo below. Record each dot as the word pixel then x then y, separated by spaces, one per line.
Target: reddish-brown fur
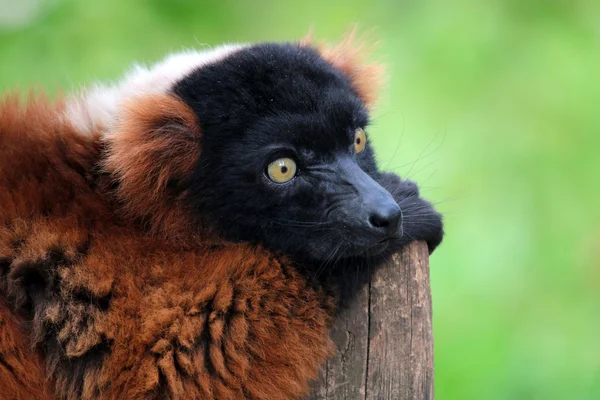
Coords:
pixel 99 255
pixel 21 371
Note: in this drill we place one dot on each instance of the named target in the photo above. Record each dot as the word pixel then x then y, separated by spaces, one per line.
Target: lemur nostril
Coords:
pixel 386 220
pixel 378 221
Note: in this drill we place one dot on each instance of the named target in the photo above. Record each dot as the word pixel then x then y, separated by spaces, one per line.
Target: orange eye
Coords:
pixel 360 140
pixel 282 170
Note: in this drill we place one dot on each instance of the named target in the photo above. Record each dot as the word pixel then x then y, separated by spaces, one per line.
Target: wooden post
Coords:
pixel 384 339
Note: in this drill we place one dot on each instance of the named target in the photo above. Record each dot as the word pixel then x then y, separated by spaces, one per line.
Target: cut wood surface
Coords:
pixel 383 338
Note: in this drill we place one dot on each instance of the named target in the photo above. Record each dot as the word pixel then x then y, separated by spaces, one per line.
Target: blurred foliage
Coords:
pixel 493 106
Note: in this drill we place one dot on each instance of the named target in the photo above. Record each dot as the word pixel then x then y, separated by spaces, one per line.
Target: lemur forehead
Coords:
pixel 266 80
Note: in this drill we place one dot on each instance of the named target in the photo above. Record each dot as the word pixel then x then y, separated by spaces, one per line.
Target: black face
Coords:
pixel 286 161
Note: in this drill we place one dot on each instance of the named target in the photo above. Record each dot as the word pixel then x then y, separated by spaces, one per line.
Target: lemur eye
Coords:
pixel 282 170
pixel 360 140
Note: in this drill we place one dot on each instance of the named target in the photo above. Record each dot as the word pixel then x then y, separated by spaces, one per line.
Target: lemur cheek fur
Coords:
pixel 134 253
pixel 151 152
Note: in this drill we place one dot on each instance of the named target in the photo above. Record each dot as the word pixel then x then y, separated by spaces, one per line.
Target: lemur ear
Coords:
pixel 351 57
pixel 151 154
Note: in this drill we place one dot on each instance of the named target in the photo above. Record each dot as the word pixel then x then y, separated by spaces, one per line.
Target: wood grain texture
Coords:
pixel 384 339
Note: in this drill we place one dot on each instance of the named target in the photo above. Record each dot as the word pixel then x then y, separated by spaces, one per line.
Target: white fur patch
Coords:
pixel 98 107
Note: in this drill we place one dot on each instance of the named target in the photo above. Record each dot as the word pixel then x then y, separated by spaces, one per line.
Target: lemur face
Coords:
pixel 286 159
pixel 266 144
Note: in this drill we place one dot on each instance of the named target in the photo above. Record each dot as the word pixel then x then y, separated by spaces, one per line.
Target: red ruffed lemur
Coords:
pixel 186 233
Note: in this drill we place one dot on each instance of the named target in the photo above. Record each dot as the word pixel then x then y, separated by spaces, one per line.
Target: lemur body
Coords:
pixel 153 243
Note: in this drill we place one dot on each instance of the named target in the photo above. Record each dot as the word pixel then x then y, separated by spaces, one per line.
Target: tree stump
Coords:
pixel 384 338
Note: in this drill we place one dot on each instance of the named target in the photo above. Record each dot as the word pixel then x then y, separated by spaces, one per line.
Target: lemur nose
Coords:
pixel 386 219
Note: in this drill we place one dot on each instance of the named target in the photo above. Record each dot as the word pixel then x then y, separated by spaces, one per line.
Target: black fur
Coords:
pixel 274 100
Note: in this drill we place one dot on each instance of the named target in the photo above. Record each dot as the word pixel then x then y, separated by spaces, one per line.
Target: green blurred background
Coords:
pixel 493 106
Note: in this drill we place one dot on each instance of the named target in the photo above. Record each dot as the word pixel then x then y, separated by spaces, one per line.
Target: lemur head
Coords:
pixel 265 143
